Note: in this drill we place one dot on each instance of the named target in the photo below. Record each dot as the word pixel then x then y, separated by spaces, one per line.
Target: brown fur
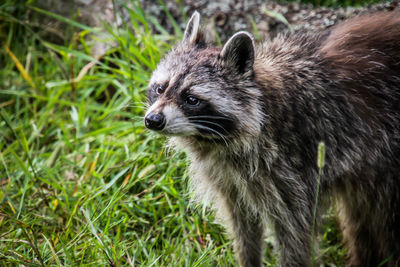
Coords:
pixel 368 43
pixel 250 120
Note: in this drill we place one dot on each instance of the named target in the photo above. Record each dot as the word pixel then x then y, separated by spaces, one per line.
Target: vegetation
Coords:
pixel 81 181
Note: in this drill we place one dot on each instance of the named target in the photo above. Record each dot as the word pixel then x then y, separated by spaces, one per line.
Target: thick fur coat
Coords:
pixel 250 119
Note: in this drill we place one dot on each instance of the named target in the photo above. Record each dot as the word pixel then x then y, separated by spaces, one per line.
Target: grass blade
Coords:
pixel 20 67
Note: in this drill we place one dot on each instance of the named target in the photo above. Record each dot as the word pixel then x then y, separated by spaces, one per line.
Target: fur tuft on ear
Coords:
pixel 192 34
pixel 238 52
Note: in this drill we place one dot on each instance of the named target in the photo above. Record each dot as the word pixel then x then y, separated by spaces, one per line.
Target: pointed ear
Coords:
pixel 238 52
pixel 191 34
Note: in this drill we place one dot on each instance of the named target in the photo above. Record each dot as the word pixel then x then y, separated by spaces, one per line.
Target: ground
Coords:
pixel 82 183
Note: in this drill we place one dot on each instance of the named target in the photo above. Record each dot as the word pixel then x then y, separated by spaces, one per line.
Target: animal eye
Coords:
pixel 160 90
pixel 191 100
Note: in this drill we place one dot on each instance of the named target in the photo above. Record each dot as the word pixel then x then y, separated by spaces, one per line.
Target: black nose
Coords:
pixel 155 121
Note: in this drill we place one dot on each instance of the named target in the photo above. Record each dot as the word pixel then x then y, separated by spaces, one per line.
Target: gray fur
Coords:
pixel 252 138
pixel 192 28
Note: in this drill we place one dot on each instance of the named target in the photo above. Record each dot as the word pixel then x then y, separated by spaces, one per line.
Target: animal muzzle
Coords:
pixel 155 121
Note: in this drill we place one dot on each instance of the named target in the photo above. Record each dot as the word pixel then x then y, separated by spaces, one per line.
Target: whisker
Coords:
pixel 137 118
pixel 196 123
pixel 178 125
pixel 214 131
pixel 142 102
pixel 210 117
pixel 191 124
pixel 210 122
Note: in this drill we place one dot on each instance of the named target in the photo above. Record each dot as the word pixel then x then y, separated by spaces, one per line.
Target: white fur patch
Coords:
pixel 160 76
pixel 177 123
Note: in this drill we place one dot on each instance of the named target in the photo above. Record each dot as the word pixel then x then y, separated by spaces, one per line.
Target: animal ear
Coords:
pixel 191 34
pixel 238 52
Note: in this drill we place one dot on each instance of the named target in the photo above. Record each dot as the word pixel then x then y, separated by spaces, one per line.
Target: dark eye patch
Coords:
pixel 208 121
pixel 155 90
pixel 151 95
pixel 189 99
pixel 160 90
pixel 192 100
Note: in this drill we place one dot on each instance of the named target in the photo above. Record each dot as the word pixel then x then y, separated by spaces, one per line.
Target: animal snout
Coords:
pixel 155 121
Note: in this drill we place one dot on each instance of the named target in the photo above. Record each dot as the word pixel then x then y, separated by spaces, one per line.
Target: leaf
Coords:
pixel 279 17
pixel 20 67
pixel 64 19
pixel 111 183
pixel 12 207
pixel 126 180
pixel 55 203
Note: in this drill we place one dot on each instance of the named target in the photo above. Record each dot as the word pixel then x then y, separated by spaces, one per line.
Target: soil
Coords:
pixel 221 18
pixel 270 18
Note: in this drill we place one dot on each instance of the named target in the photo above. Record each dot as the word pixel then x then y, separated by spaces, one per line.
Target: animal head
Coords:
pixel 205 92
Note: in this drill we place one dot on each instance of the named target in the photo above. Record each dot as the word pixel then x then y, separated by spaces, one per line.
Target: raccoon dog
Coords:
pixel 250 120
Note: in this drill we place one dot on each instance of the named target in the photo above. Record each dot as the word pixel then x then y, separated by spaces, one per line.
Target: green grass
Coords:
pixel 82 183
